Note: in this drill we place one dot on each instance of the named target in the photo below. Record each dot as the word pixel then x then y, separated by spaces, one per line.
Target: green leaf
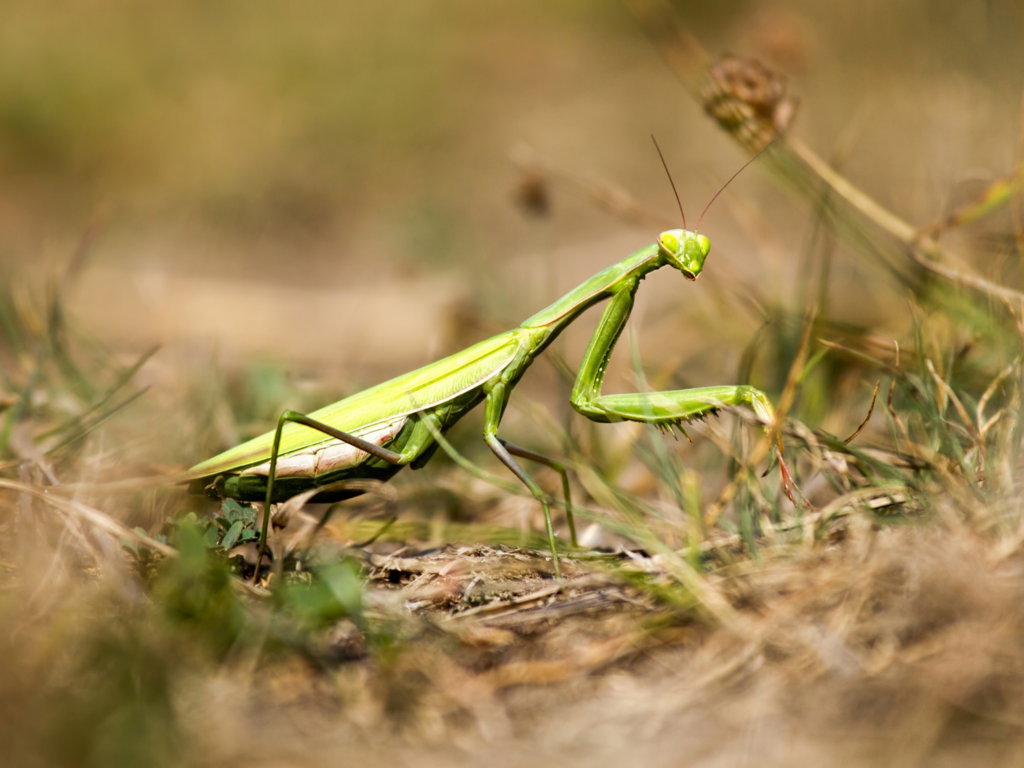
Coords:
pixel 210 537
pixel 346 586
pixel 230 508
pixel 231 536
pixel 335 591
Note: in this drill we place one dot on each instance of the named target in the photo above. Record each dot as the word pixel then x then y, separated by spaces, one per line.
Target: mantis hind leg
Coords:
pixel 410 453
pixel 504 455
pixel 540 458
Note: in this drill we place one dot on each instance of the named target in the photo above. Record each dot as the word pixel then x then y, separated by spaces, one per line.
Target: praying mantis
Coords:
pixel 375 433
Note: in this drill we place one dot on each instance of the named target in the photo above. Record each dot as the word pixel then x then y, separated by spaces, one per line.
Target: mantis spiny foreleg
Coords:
pixel 661 408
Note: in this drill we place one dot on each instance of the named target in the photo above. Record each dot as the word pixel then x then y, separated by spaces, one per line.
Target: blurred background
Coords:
pixel 334 185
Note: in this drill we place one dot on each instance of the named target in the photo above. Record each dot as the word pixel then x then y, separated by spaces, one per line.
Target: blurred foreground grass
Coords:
pixel 877 622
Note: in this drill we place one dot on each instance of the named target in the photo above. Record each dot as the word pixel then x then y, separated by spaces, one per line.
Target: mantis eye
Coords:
pixel 669 242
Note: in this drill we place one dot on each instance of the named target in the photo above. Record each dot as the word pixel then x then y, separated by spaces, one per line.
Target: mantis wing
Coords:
pixel 406 394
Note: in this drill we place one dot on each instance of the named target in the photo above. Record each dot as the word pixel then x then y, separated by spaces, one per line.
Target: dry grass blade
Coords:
pixel 994 196
pixel 77 511
pixel 503 606
pixel 103 417
pixel 987 395
pixel 874 498
pixel 94 517
pixel 855 353
pixel 588 659
pixel 283 515
pixel 79 419
pixel 947 391
pixel 132 485
pixel 871 409
pixel 892 389
pixel 796 372
pixel 384 491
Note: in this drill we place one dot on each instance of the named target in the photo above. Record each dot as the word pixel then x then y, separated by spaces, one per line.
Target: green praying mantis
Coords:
pixel 375 433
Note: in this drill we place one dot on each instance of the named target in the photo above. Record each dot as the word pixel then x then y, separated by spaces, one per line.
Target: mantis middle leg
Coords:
pixel 540 458
pixel 494 407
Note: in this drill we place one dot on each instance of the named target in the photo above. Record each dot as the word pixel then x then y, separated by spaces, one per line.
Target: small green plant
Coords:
pixel 234 524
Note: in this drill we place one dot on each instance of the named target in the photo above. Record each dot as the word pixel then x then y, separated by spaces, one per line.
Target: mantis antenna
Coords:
pixel 726 183
pixel 665 165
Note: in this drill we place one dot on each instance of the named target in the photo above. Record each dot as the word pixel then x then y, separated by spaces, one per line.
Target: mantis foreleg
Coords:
pixel 669 408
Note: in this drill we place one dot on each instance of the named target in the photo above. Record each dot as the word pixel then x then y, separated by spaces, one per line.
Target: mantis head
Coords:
pixel 685 250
